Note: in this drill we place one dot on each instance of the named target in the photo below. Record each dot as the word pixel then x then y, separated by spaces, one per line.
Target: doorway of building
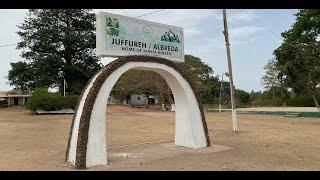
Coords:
pixel 151 101
pixel 26 101
pixel 16 101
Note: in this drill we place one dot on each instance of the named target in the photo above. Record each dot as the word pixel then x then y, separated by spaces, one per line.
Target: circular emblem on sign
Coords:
pixel 147 30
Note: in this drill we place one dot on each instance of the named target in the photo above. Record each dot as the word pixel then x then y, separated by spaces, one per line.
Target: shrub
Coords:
pixel 43 100
pixel 294 101
pixel 302 101
pixel 242 97
pixel 71 101
pixel 271 102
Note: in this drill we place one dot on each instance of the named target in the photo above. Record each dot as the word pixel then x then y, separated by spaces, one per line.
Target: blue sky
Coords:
pixel 254 34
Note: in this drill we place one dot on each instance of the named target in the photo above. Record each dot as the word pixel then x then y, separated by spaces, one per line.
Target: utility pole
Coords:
pixel 226 35
pixel 221 84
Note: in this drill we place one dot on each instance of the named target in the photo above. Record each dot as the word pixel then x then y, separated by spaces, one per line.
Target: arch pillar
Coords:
pixel 87 141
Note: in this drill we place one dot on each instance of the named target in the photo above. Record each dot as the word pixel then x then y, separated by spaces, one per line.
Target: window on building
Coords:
pixel 138 98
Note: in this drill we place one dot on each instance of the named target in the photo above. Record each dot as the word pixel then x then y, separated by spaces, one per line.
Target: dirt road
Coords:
pixel 139 140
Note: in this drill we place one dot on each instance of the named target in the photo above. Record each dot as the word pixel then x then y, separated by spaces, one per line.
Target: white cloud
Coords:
pixel 9 20
pixel 192 31
pixel 234 16
pixel 241 31
pixel 242 15
pixel 190 19
pixel 125 12
pixel 187 17
pixel 244 33
pixel 210 45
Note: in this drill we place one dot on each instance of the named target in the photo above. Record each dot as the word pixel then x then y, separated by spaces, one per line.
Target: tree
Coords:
pixel 148 82
pixel 20 75
pixel 142 82
pixel 57 44
pixel 255 97
pixel 242 97
pixel 298 56
pixel 272 80
pixel 203 77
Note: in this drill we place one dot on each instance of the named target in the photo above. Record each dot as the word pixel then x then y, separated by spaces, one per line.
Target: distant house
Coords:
pixel 142 100
pixel 112 100
pixel 13 98
pixel 134 100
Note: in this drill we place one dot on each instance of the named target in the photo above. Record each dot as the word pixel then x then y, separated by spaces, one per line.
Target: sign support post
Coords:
pixel 226 35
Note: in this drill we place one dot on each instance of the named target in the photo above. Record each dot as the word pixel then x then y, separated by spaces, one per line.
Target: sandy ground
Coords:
pixel 141 140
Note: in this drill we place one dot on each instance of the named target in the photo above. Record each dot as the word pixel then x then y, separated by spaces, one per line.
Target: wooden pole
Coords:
pixel 221 84
pixel 226 35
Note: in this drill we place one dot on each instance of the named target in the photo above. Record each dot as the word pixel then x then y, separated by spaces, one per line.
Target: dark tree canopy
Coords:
pixel 20 75
pixel 203 76
pixel 298 57
pixel 57 44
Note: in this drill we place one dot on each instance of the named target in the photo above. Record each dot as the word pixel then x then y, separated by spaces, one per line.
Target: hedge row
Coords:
pixel 271 102
pixel 298 101
pixel 43 100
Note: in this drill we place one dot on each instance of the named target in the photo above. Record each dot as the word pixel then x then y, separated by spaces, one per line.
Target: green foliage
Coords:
pixel 70 101
pixel 293 76
pixel 272 80
pixel 57 44
pixel 148 82
pixel 242 97
pixel 142 82
pixel 301 101
pixel 275 101
pixel 20 75
pixel 295 100
pixel 203 77
pixel 38 99
pixel 44 100
pixel 297 59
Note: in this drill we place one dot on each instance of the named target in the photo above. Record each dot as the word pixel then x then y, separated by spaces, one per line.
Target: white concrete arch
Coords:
pixel 189 126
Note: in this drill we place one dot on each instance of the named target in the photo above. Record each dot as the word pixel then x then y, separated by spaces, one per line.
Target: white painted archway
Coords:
pixel 88 147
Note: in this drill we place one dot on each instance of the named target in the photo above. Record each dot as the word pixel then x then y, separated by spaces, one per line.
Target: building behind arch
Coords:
pixel 14 98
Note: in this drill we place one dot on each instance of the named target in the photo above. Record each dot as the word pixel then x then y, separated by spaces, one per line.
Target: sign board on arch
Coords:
pixel 122 36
